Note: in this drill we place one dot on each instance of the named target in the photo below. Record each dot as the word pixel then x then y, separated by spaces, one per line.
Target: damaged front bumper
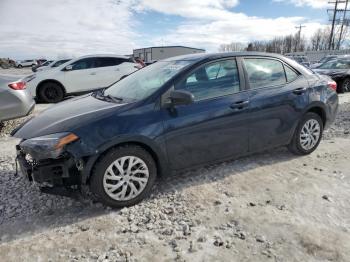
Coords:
pixel 65 171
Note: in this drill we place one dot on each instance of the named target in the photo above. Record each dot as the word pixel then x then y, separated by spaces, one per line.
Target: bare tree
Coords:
pixel 232 47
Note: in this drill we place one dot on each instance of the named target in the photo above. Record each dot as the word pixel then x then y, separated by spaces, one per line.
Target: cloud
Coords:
pixel 310 3
pixel 203 9
pixel 211 23
pixel 65 28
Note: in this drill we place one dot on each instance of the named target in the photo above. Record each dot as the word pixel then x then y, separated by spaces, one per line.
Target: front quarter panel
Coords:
pixel 140 125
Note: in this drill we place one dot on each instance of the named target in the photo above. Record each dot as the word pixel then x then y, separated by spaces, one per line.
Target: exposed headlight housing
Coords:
pixel 50 146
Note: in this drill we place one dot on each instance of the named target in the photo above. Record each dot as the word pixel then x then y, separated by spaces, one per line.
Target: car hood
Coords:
pixel 66 117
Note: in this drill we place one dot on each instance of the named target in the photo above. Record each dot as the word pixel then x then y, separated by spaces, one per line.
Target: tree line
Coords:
pixel 291 43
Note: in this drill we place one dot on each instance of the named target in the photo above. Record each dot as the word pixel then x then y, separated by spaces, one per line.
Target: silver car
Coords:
pixel 15 100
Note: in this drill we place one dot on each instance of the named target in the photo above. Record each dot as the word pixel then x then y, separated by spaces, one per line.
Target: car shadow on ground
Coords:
pixel 38 217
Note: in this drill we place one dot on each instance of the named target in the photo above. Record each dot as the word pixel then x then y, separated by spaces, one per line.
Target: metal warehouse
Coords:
pixel 156 53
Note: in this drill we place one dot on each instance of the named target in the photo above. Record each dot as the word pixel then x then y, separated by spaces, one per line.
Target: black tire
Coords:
pixel 51 92
pixel 345 85
pixel 295 145
pixel 98 173
pixel 19 66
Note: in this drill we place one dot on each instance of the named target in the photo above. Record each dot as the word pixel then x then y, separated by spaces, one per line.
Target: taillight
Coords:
pixel 18 85
pixel 332 85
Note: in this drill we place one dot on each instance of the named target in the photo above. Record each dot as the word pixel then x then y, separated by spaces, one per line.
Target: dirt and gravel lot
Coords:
pixel 272 206
pixel 16 72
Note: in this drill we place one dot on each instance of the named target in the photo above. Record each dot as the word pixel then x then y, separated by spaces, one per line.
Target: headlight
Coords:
pixel 49 146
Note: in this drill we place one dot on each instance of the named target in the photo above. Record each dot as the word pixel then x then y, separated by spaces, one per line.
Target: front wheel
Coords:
pixel 308 135
pixel 123 176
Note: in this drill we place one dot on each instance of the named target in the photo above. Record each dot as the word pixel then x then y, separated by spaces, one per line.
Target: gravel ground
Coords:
pixel 15 72
pixel 267 207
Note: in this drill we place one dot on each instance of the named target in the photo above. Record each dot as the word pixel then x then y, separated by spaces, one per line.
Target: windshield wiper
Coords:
pixel 114 98
pixel 99 94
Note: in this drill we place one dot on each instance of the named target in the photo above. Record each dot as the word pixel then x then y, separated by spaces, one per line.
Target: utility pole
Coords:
pixel 345 21
pixel 333 23
pixel 336 21
pixel 299 36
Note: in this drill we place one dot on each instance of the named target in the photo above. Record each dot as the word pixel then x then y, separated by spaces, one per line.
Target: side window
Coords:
pixel 85 63
pixel 264 72
pixel 109 61
pixel 213 70
pixel 212 80
pixel 290 74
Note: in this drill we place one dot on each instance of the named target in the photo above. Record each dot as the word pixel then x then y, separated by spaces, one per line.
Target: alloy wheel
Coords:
pixel 346 85
pixel 125 178
pixel 310 134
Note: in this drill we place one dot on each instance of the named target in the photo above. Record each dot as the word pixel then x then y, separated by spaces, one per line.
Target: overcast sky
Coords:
pixel 64 28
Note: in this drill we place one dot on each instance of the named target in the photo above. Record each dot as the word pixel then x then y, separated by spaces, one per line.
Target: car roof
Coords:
pixel 103 55
pixel 202 56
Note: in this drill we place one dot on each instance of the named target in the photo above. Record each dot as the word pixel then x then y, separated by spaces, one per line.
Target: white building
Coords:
pixel 156 53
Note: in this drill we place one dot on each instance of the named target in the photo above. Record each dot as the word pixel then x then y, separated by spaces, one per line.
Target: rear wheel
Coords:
pixel 308 135
pixel 19 66
pixel 51 92
pixel 124 176
pixel 345 86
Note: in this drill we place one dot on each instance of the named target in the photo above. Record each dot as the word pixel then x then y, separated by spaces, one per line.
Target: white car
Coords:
pixel 52 64
pixel 23 63
pixel 77 76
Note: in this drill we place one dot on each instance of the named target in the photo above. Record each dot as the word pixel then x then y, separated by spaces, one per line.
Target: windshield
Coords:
pixel 146 81
pixel 326 59
pixel 335 64
pixel 59 62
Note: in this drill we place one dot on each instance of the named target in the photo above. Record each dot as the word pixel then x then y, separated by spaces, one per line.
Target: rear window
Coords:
pixel 290 74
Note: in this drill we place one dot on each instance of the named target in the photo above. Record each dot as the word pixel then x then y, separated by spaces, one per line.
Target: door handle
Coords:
pixel 299 91
pixel 240 105
pixel 93 73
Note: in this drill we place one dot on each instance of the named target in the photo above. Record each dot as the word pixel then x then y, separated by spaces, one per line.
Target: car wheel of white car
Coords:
pixel 19 66
pixel 51 92
pixel 123 176
pixel 308 135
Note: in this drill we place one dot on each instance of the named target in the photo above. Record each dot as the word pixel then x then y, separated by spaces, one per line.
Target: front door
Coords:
pixel 215 126
pixel 84 76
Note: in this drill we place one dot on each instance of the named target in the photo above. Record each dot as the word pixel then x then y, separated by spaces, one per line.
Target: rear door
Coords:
pixel 111 69
pixel 215 126
pixel 277 96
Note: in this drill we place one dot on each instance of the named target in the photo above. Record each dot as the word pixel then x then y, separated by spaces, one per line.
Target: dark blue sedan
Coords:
pixel 176 114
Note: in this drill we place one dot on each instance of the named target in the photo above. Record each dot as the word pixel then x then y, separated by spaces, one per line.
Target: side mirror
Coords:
pixel 180 97
pixel 68 68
